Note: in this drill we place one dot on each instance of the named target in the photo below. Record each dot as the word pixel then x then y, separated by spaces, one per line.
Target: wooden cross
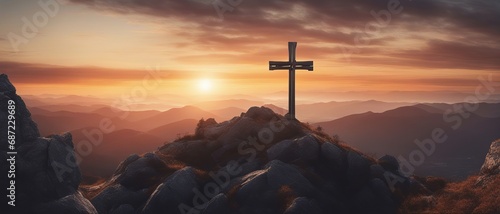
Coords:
pixel 291 65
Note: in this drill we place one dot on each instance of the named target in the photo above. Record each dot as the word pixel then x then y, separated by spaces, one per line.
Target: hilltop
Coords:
pixel 256 162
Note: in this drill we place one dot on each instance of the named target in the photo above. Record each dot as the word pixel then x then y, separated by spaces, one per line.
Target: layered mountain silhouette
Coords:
pixel 395 131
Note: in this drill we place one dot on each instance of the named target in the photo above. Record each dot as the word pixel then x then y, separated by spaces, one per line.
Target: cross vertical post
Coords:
pixel 291 65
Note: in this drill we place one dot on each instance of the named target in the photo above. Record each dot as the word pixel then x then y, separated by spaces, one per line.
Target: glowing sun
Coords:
pixel 205 85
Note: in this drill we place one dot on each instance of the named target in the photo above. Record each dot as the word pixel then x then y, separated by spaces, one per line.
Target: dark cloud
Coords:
pixel 52 74
pixel 267 21
pixel 439 54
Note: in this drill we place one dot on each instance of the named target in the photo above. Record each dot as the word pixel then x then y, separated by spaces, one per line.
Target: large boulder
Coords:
pixel 174 193
pixel 281 174
pixel 305 149
pixel 252 185
pixel 262 113
pixel 358 170
pixel 47 169
pixel 194 153
pixel 491 164
pixel 124 209
pixel 303 205
pixel 218 204
pixel 116 195
pixel 389 162
pixel 333 155
pixel 70 204
pixel 62 160
pixel 142 172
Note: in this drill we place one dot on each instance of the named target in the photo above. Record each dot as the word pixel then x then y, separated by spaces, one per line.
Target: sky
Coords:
pixel 212 48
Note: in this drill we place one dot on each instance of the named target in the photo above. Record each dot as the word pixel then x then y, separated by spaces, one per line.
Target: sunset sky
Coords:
pixel 212 48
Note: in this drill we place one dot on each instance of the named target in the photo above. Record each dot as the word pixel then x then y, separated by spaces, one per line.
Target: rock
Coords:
pixel 252 185
pixel 142 172
pixel 280 174
pixel 5 85
pixel 262 113
pixel 377 171
pixel 124 209
pixel 226 145
pixel 305 148
pixel 202 126
pixel 389 163
pixel 176 190
pixel 25 128
pixel 70 204
pixel 116 195
pixel 194 153
pixel 333 155
pixel 491 164
pixel 364 201
pixel 123 165
pixel 241 167
pixel 309 147
pixel 302 205
pixel 46 169
pixel 218 204
pixel 47 176
pixel 358 170
pixel 213 131
pixel 282 151
pixel 63 163
pixel 385 204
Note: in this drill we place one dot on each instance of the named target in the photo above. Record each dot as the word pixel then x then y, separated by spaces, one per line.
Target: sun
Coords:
pixel 205 85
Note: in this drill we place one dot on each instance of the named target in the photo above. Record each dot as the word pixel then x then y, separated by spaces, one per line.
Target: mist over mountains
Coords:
pixel 374 127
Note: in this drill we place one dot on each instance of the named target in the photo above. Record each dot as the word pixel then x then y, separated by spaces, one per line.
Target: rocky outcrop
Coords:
pixel 491 164
pixel 259 162
pixel 46 174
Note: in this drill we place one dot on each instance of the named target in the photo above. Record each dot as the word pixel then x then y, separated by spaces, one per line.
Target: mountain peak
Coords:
pixel 5 85
pixel 256 162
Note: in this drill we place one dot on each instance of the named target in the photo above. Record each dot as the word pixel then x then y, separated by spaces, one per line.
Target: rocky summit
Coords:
pixel 258 162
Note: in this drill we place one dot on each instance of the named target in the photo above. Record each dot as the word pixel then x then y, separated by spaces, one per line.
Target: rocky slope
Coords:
pixel 476 194
pixel 258 162
pixel 46 178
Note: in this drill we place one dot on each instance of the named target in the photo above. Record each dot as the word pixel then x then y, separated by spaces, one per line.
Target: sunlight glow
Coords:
pixel 205 85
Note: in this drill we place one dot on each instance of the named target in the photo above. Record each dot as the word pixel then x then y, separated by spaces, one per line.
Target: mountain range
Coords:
pixel 374 127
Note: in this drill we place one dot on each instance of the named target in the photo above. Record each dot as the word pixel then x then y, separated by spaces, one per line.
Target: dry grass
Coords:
pixel 286 196
pixel 458 197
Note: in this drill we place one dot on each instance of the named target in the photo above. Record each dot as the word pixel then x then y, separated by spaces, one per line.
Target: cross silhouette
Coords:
pixel 291 65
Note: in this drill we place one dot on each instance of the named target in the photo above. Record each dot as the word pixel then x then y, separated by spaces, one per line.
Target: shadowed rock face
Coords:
pixel 258 162
pixel 46 176
pixel 491 164
pixel 491 167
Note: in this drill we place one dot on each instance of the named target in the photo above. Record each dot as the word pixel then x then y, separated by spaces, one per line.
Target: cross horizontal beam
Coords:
pixel 280 65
